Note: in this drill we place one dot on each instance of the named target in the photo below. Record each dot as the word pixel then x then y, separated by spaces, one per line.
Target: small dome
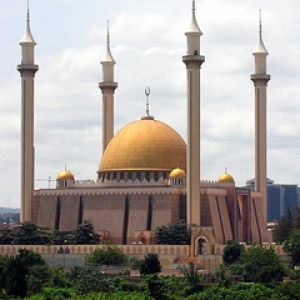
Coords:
pixel 177 173
pixel 65 176
pixel 226 178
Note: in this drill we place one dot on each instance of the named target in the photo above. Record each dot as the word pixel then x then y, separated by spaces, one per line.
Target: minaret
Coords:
pixel 107 87
pixel 193 61
pixel 260 80
pixel 27 69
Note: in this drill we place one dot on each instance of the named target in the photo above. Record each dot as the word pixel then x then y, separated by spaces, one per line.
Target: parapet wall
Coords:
pixel 132 250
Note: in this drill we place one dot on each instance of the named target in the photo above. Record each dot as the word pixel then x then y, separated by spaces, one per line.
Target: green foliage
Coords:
pixel 287 291
pixel 30 234
pixel 85 235
pixel 238 292
pixel 173 234
pixel 15 277
pixel 135 263
pixel 24 273
pixel 262 265
pixel 59 279
pixel 292 246
pixel 192 276
pixel 107 255
pixel 150 264
pixel 3 263
pixel 54 294
pixel 6 237
pixel 232 252
pixel 284 227
pixel 88 281
pixel 156 287
pixel 30 258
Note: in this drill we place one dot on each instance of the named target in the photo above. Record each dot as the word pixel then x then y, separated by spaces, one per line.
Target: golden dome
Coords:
pixel 144 145
pixel 177 173
pixel 226 178
pixel 65 175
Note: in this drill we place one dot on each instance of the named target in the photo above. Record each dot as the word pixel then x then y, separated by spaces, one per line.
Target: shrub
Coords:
pixel 150 264
pixel 262 265
pixel 173 234
pixel 292 246
pixel 232 252
pixel 108 255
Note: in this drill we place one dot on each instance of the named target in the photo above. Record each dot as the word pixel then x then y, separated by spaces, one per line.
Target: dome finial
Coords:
pixel 147 116
pixel 27 37
pixel 260 46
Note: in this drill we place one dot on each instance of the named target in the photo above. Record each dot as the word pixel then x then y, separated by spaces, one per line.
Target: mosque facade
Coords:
pixel 148 175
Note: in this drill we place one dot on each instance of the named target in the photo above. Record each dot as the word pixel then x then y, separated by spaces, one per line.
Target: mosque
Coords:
pixel 148 175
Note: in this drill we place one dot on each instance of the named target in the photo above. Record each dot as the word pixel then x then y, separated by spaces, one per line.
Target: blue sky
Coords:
pixel 147 43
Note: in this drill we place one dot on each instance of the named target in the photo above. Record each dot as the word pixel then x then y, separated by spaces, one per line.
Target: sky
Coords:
pixel 148 42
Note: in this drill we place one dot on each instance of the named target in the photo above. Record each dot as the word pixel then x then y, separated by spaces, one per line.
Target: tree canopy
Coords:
pixel 292 246
pixel 232 252
pixel 108 255
pixel 173 234
pixel 31 234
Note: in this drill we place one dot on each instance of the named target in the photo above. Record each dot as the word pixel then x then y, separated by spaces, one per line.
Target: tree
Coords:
pixel 85 235
pixel 24 273
pixel 173 234
pixel 30 234
pixel 192 276
pixel 292 246
pixel 15 279
pixel 3 262
pixel 108 255
pixel 284 227
pixel 150 264
pixel 232 252
pixel 6 237
pixel 156 287
pixel 262 265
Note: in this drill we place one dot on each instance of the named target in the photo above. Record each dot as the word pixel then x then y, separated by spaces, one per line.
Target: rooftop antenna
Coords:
pixel 147 116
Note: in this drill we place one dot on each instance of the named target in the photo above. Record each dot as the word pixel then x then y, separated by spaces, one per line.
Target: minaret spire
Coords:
pixel 108 56
pixel 27 37
pixel 260 46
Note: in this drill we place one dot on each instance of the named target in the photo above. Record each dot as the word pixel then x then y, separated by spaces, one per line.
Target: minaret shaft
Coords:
pixel 107 112
pixel 261 141
pixel 27 146
pixel 193 150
